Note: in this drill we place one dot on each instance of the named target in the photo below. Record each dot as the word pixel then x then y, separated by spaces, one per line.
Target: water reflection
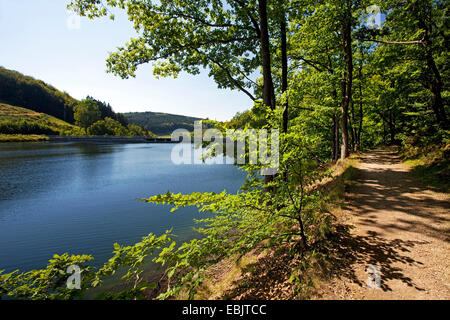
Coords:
pixel 80 198
pixel 27 170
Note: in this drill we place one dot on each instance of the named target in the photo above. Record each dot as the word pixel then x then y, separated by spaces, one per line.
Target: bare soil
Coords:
pixel 395 224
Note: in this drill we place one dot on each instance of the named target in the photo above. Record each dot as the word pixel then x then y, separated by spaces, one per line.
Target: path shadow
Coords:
pixel 266 279
pixel 344 250
pixel 339 254
pixel 409 204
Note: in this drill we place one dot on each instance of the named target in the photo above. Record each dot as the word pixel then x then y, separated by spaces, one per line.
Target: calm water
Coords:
pixel 80 198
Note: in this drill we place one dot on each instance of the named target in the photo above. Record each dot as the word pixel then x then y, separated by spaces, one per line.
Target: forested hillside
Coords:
pixel 29 106
pixel 23 91
pixel 161 123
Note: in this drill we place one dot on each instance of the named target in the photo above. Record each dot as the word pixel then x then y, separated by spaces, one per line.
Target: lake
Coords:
pixel 80 198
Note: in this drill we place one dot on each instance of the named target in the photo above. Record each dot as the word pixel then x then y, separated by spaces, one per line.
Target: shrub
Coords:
pixel 25 127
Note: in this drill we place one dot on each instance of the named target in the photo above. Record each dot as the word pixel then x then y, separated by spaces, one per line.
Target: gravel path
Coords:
pixel 395 226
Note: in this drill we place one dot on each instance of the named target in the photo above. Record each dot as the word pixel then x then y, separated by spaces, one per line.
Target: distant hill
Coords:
pixel 162 124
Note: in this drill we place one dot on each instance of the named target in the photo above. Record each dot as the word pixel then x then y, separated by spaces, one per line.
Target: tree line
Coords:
pixel 98 119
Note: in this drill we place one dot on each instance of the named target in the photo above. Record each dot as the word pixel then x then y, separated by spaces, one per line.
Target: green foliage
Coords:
pixel 252 218
pixel 48 283
pixel 111 127
pixel 25 127
pixel 108 127
pixel 74 131
pixel 430 160
pixel 134 130
pixel 106 111
pixel 86 113
pixel 253 118
pixel 134 258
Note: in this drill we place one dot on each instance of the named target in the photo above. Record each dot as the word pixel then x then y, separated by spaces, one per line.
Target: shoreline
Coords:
pixel 95 139
pixel 114 139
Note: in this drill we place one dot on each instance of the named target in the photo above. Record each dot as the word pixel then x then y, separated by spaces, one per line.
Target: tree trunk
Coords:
pixel 436 90
pixel 334 119
pixel 335 142
pixel 352 124
pixel 436 82
pixel 391 128
pixel 284 73
pixel 346 87
pixel 361 114
pixel 334 153
pixel 268 90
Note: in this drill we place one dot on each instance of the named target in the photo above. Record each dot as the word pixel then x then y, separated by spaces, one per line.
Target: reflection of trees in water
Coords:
pixel 27 169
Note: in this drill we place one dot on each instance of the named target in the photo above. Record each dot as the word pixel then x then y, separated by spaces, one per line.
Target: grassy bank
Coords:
pixel 22 137
pixel 431 165
pixel 23 122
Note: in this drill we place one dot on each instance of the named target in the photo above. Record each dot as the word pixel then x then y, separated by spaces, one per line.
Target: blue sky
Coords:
pixel 37 41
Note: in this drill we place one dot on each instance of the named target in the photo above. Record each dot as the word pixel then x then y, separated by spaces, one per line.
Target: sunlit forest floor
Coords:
pixel 396 223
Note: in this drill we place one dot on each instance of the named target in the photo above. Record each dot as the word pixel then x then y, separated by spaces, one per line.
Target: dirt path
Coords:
pixel 394 224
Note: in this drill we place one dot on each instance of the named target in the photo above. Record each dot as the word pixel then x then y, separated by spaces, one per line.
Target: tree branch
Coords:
pixel 227 71
pixel 421 41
